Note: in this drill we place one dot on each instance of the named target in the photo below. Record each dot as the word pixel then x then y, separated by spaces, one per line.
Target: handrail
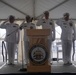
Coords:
pixel 73 50
pixel 2 51
pixel 3 45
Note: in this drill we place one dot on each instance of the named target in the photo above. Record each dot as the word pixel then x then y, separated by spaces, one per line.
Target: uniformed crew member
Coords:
pixel 68 28
pixel 12 37
pixel 48 23
pixel 27 25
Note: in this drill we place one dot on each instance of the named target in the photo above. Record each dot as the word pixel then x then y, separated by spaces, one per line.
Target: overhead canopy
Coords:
pixel 35 8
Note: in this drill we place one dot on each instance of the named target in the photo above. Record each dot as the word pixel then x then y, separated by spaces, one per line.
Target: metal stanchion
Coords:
pixel 73 50
pixel 2 51
pixel 5 52
pixel 3 45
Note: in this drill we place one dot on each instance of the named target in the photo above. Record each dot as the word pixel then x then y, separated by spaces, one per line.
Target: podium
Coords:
pixel 38 52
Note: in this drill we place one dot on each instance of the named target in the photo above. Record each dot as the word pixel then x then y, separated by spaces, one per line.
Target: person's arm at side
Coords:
pixel 53 30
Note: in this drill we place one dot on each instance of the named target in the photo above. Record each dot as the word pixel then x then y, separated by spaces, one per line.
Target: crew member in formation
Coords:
pixel 67 36
pixel 27 25
pixel 48 23
pixel 12 37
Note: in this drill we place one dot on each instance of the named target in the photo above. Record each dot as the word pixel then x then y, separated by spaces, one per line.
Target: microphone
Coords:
pixel 21 27
pixel 31 19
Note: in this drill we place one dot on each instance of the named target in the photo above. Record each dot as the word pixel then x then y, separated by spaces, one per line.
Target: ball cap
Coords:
pixel 66 14
pixel 46 12
pixel 11 17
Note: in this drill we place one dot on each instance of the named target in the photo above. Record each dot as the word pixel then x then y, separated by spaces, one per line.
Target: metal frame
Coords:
pixel 12 7
pixel 34 8
pixel 35 19
pixel 34 3
pixel 55 7
pixel 34 15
